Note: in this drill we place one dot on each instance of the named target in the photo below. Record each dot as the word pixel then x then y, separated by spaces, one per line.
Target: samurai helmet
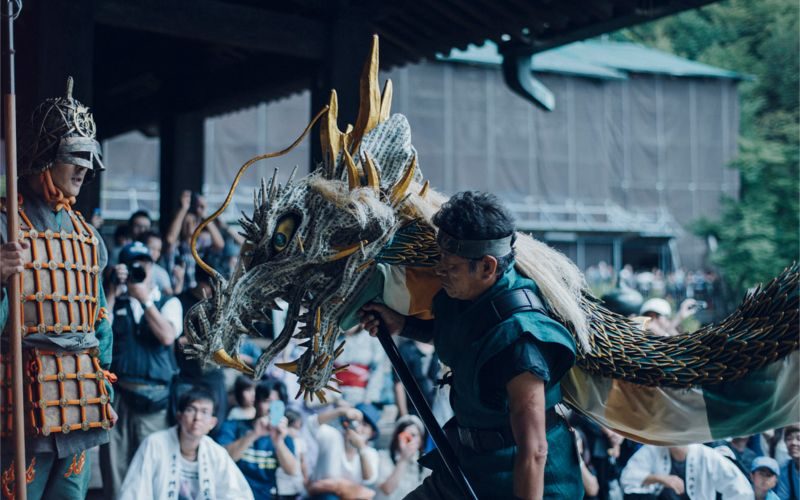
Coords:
pixel 63 131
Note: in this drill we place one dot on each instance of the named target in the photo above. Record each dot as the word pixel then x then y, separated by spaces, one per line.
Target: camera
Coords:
pixel 136 273
pixel 349 424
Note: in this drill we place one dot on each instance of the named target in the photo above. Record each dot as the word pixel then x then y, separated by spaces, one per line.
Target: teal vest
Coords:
pixel 466 351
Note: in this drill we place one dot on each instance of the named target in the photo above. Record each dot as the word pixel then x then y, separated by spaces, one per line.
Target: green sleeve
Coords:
pixel 3 310
pixel 105 336
pixel 102 330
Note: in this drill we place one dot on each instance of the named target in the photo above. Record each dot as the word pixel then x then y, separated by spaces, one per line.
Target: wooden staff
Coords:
pixel 449 458
pixel 14 303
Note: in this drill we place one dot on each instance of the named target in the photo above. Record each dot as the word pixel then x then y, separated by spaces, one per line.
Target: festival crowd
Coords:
pixel 190 431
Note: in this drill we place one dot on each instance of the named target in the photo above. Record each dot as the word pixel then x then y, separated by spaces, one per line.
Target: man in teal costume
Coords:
pixel 507 356
pixel 59 258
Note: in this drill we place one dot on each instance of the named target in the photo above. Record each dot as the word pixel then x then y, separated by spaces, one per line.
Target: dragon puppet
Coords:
pixel 358 228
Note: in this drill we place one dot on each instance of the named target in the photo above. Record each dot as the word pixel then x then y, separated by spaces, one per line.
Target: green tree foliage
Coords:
pixel 758 234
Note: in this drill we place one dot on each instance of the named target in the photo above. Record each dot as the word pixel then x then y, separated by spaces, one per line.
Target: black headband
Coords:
pixel 475 249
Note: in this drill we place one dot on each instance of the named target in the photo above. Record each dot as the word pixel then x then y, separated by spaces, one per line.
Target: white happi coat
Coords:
pixel 707 473
pixel 155 471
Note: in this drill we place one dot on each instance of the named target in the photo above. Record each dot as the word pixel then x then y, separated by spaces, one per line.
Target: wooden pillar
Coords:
pixel 182 160
pixel 54 40
pixel 340 69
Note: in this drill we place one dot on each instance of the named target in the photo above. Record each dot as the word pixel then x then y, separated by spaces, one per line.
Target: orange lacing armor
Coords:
pixel 60 286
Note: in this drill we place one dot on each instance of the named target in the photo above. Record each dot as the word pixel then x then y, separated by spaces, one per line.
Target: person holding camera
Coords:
pixel 178 237
pixel 145 325
pixel 261 445
pixel 346 463
pixel 400 473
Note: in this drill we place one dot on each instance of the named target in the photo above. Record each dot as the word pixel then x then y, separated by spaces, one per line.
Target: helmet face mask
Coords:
pixel 63 131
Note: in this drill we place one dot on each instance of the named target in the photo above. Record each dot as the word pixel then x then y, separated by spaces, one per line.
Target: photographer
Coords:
pixel 660 313
pixel 145 326
pixel 346 464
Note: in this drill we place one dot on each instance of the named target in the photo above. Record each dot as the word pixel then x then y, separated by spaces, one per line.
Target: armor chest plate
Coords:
pixel 60 280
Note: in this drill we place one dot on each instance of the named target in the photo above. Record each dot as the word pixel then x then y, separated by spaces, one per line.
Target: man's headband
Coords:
pixel 475 249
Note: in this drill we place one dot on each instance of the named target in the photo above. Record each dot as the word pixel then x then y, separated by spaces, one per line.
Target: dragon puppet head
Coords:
pixel 313 242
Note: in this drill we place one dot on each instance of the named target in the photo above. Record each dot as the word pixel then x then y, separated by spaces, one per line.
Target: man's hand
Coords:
pixel 186 200
pixel 355 439
pixel 12 259
pixel 673 482
pixel 139 292
pixel 261 426
pixel 687 309
pixel 409 448
pixel 372 315
pixel 112 415
pixel 279 433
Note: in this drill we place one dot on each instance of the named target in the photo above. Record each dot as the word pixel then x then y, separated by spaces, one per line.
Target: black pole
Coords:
pixel 418 400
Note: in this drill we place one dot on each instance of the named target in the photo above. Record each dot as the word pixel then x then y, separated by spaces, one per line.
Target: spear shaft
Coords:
pixel 13 287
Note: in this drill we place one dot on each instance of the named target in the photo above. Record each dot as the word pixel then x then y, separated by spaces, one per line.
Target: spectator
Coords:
pixel 291 486
pixel 346 463
pixel 258 447
pixel 624 301
pixel 244 392
pixel 696 472
pixel 789 481
pixel 606 451
pixel 591 486
pixel 193 372
pixel 399 472
pixel 744 455
pixel 145 325
pixel 122 236
pixel 182 462
pixel 178 237
pixel 139 223
pixel 764 475
pixel 424 366
pixel 660 313
pixel 161 277
pixel 365 358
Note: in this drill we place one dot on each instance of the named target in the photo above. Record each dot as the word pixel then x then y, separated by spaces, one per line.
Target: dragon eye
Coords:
pixel 284 232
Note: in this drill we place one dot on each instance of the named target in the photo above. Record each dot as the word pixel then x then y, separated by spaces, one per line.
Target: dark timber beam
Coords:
pixel 49 49
pixel 341 70
pixel 182 156
pixel 219 23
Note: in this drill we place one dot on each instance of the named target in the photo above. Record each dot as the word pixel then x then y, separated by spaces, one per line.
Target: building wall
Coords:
pixel 649 144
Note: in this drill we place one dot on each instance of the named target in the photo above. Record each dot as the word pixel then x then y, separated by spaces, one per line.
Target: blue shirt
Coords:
pixel 259 462
pixel 789 483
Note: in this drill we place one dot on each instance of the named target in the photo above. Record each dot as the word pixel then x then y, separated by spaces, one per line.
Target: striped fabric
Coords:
pixel 763 400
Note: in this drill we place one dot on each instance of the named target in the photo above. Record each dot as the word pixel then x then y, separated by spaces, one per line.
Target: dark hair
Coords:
pixel 241 384
pixel 147 235
pixel 265 387
pixel 122 231
pixel 279 387
pixel 202 276
pixel 394 444
pixel 139 213
pixel 196 394
pixel 790 429
pixel 293 416
pixel 473 215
